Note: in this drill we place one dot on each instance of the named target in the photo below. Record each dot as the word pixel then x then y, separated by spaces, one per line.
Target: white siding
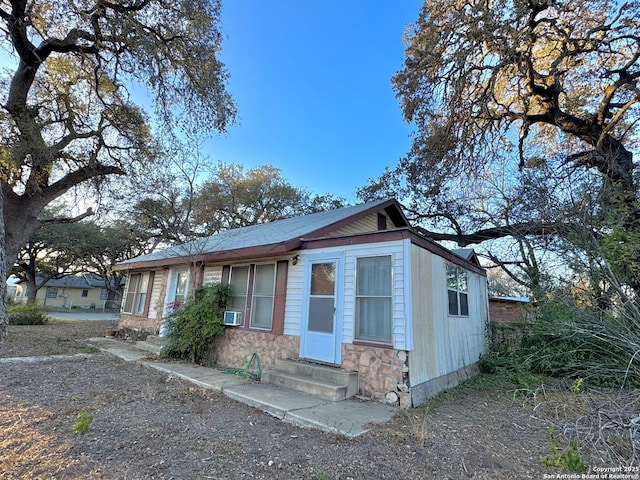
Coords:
pixel 364 225
pixel 293 304
pixel 293 311
pixel 212 275
pixel 443 343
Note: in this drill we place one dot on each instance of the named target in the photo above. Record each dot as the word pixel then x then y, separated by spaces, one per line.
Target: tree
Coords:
pixel 180 209
pixel 52 252
pixel 67 115
pixel 107 246
pixel 234 197
pixel 545 86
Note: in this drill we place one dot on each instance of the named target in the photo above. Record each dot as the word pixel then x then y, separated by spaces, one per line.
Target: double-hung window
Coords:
pixel 374 299
pixel 457 291
pixel 136 296
pixel 253 293
pixel 262 298
pixel 239 282
pixel 52 292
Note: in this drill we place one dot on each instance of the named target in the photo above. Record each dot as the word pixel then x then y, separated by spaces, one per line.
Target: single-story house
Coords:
pixel 70 291
pixel 355 288
pixel 508 310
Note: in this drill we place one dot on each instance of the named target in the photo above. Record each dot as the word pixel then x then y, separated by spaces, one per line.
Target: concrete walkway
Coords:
pixel 346 417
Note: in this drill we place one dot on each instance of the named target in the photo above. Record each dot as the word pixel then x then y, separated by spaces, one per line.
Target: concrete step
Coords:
pixel 328 383
pixel 148 347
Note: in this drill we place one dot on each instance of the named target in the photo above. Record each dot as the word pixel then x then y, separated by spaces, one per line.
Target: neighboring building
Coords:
pixel 71 291
pixel 354 288
pixel 508 310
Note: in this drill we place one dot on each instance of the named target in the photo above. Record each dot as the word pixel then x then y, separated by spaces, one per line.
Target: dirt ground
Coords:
pixel 148 425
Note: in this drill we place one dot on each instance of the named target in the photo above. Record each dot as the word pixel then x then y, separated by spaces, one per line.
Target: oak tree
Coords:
pixel 67 114
pixel 525 93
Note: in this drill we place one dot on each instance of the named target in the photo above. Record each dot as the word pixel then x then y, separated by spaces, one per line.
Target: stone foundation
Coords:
pixel 238 345
pixel 383 372
pixel 142 326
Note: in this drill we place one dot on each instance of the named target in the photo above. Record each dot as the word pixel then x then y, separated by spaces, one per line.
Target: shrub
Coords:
pixel 568 341
pixel 28 314
pixel 83 422
pixel 194 327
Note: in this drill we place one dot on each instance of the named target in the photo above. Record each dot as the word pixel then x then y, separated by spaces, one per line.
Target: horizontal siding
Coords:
pixel 212 275
pixel 293 313
pixel 364 225
pixel 293 304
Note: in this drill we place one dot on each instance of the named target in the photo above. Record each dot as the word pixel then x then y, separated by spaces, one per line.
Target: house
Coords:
pixel 70 291
pixel 355 288
pixel 508 310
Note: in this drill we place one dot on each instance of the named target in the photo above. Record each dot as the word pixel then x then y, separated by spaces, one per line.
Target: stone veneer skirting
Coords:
pixel 137 323
pixel 383 372
pixel 238 345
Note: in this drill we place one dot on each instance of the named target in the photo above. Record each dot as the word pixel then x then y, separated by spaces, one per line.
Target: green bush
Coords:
pixel 194 327
pixel 565 341
pixel 28 314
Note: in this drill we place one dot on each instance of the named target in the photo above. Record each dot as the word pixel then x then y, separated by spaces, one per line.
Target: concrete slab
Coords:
pixel 118 348
pixel 347 417
pixel 275 401
pixel 204 377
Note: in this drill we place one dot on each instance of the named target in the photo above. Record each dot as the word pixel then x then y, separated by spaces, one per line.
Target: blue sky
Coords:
pixel 312 83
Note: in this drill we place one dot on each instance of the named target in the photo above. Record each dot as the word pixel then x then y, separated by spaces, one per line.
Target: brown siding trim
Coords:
pixel 226 272
pixel 280 297
pixel 391 235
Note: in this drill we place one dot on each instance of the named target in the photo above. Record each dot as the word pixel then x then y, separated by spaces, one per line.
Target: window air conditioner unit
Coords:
pixel 232 319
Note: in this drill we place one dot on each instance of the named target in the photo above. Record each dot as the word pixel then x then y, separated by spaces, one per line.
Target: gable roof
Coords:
pixel 266 238
pixel 89 280
pixel 468 254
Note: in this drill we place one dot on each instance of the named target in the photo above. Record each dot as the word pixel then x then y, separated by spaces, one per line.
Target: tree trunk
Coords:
pixel 4 316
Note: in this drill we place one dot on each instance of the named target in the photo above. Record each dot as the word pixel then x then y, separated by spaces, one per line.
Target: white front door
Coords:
pixel 322 318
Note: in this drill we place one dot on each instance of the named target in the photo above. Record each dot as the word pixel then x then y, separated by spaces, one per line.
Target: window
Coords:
pixel 257 304
pixel 457 291
pixel 262 298
pixel 104 294
pixel 181 289
pixel 239 282
pixel 136 296
pixel 373 299
pixel 52 292
pixel 85 293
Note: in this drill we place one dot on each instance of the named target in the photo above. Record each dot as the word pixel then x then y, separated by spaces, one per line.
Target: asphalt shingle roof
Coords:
pixel 256 235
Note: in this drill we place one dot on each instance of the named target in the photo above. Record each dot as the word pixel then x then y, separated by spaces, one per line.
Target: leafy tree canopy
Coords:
pixel 526 116
pixel 67 115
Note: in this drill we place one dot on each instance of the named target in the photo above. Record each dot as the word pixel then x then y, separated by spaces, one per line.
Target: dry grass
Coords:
pixel 26 444
pixel 57 337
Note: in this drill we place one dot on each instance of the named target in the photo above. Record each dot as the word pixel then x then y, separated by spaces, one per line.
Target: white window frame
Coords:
pixel 138 296
pixel 254 295
pixel 457 281
pixel 360 297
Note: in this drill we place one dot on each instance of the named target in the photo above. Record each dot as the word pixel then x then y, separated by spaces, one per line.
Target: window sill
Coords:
pixel 363 343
